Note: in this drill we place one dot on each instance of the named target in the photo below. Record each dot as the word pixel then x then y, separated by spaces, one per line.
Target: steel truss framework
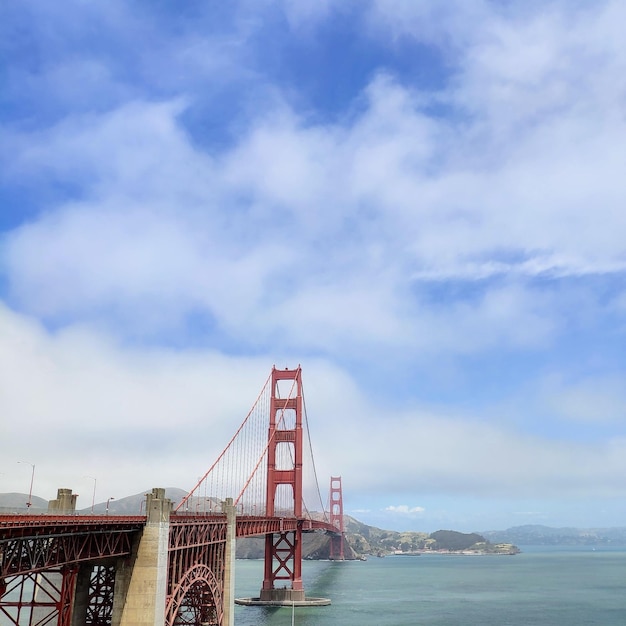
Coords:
pixel 196 572
pixel 43 546
pixel 48 597
pixel 39 599
pixel 40 560
pixel 43 559
pixel 285 549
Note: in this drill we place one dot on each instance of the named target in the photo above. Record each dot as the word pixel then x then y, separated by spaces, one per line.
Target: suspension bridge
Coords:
pixel 174 565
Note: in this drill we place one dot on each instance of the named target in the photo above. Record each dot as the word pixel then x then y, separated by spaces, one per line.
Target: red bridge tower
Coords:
pixel 283 551
pixel 336 519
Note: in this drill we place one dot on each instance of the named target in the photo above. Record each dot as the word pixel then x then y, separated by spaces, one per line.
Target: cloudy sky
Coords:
pixel 423 203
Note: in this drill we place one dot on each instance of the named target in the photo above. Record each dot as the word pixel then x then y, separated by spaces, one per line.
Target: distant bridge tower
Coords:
pixel 283 550
pixel 336 519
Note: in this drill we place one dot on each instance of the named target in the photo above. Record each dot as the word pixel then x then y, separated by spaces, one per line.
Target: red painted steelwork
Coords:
pixel 196 559
pixel 66 595
pixel 53 541
pixel 195 580
pixel 253 526
pixel 37 542
pixel 283 551
pixel 31 522
pixel 49 548
pixel 278 433
pixel 39 564
pixel 43 598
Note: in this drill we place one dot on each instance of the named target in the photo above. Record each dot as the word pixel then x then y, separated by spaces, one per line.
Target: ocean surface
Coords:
pixel 539 587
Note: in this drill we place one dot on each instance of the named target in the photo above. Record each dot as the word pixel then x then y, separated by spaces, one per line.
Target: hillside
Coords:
pixel 537 535
pixel 366 539
pixel 17 501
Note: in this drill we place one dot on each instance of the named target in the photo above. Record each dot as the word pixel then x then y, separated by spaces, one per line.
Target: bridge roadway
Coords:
pixel 196 555
pixel 74 538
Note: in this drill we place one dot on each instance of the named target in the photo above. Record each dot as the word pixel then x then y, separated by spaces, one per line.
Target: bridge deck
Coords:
pixel 27 542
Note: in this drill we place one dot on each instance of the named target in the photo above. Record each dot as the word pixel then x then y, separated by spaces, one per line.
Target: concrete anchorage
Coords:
pixel 64 504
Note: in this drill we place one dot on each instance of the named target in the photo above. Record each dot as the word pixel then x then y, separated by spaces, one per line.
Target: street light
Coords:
pixel 32 478
pixel 142 503
pixel 109 500
pixel 93 497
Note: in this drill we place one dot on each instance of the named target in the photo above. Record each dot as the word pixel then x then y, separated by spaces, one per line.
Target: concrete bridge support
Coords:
pixel 81 596
pixel 229 563
pixel 141 586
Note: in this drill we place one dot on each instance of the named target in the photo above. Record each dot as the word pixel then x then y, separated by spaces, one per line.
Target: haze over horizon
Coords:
pixel 421 203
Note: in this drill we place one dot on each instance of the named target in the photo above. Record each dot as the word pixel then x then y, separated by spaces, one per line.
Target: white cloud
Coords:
pixel 175 230
pixel 534 168
pixel 590 400
pixel 167 415
pixel 404 509
pixel 76 404
pixel 428 453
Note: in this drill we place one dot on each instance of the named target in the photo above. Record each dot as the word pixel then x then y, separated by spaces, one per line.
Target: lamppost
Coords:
pixel 141 505
pixel 93 497
pixel 109 500
pixel 32 478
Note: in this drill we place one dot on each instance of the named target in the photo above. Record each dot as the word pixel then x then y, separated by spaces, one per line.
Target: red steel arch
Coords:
pixel 197 599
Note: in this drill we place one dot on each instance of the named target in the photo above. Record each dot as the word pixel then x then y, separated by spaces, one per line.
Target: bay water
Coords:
pixel 539 587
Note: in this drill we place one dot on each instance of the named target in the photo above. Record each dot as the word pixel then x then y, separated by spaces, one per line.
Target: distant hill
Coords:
pixel 366 539
pixel 133 505
pixel 10 502
pixel 452 540
pixel 537 535
pixel 130 505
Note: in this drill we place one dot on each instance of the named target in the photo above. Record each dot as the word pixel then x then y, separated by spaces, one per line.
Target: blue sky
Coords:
pixel 422 203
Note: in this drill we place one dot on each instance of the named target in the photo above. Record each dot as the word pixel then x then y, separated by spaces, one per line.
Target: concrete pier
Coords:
pixel 81 595
pixel 229 562
pixel 143 602
pixel 283 600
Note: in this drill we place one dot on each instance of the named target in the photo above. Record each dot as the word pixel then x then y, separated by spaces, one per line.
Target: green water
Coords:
pixel 538 588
